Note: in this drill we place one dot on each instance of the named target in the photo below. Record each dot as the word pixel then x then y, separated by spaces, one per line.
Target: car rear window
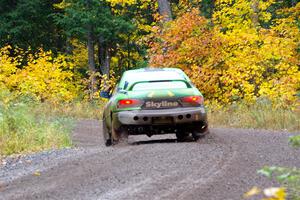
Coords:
pixel 154 75
pixel 160 85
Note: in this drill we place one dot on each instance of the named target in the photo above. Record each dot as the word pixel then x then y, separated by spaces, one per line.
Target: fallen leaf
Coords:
pixel 254 191
pixel 278 193
pixel 37 173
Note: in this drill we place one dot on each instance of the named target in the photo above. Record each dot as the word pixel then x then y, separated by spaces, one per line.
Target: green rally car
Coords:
pixel 154 101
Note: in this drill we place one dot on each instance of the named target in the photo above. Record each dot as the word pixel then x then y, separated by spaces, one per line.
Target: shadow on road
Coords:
pixel 159 141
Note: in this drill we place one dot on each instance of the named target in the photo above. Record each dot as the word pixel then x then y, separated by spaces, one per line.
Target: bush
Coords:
pixel 295 141
pixel 41 75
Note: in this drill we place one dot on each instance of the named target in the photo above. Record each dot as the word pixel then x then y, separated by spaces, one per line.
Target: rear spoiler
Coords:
pixel 155 81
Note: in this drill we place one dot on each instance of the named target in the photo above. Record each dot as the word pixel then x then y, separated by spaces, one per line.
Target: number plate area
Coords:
pixel 161 104
pixel 162 120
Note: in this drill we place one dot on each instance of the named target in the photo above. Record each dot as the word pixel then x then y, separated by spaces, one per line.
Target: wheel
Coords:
pixel 106 134
pixel 197 136
pixel 181 136
pixel 118 135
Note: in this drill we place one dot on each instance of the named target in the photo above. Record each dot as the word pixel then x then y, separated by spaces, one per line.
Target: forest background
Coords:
pixel 55 57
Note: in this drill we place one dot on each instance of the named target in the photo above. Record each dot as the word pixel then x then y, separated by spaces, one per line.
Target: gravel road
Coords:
pixel 221 166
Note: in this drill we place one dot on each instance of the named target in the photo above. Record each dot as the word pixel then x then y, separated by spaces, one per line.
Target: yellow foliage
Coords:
pixel 44 76
pixel 269 193
pixel 127 2
pixel 254 191
pixel 275 194
pixel 235 58
pixel 79 55
pixel 122 2
pixel 62 5
pixel 108 83
pixel 8 65
pixel 257 61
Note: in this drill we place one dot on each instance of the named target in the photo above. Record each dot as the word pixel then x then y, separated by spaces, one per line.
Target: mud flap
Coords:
pixel 106 134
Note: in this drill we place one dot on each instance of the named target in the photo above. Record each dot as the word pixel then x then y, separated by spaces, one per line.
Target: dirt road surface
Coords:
pixel 223 166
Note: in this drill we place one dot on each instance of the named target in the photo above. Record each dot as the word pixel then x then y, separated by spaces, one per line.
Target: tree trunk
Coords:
pixel 128 52
pixel 255 9
pixel 91 52
pixel 91 55
pixel 104 57
pixel 164 9
pixel 68 47
pixel 101 53
pixel 106 66
pixel 91 60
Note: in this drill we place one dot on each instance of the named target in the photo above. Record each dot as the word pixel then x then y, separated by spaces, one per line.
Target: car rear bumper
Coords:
pixel 161 117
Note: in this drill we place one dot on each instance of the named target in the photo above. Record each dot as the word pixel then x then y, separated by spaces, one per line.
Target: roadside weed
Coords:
pixel 261 115
pixel 289 178
pixel 22 131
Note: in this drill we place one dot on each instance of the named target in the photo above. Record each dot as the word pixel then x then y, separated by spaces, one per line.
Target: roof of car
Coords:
pixel 152 74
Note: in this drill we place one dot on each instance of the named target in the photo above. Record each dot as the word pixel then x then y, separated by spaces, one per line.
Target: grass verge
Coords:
pixel 29 126
pixel 261 115
pixel 21 131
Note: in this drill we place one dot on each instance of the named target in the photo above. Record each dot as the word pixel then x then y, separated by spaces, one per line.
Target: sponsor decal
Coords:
pixel 161 104
pixel 151 94
pixel 170 94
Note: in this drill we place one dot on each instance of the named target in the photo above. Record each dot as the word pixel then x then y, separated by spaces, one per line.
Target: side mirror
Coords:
pixel 105 94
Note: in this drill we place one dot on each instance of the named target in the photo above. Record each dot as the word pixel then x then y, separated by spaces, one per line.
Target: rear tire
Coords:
pixel 196 135
pixel 181 136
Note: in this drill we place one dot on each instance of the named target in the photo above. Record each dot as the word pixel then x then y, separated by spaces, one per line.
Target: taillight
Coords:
pixel 129 103
pixel 194 100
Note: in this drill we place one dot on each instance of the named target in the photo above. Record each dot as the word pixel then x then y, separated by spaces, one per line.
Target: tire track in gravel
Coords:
pixel 221 166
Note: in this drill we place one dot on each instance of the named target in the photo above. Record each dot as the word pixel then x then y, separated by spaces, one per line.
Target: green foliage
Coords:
pixel 29 24
pixel 117 31
pixel 78 15
pixel 21 130
pixel 288 177
pixel 295 141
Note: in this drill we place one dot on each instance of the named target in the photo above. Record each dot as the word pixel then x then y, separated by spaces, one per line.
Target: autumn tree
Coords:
pixel 234 57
